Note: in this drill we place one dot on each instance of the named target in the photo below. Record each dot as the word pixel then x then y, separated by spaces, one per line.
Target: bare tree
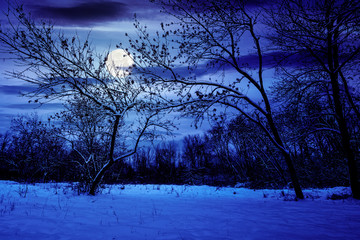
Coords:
pixel 212 35
pixel 323 36
pixel 35 150
pixel 62 67
pixel 88 130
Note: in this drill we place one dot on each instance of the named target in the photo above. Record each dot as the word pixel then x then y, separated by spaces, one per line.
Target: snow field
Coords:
pixel 55 211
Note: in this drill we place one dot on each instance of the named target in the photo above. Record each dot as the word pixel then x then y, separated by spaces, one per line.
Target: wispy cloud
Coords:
pixel 15 90
pixel 85 13
pixel 90 13
pixel 250 61
pixel 34 106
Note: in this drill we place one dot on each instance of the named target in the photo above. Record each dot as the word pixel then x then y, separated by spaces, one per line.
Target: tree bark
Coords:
pixel 293 175
pixel 345 139
pixel 333 62
pixel 110 162
pixel 287 157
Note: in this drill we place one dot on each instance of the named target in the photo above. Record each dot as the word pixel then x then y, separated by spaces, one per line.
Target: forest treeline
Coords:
pixel 228 154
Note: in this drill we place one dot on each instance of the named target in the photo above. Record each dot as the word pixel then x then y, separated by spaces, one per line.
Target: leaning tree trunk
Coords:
pixel 345 140
pixel 287 157
pixel 110 162
pixel 293 175
pixel 333 62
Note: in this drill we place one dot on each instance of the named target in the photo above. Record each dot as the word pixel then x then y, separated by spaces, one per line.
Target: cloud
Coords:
pixel 270 60
pixel 34 106
pixel 15 90
pixel 204 5
pixel 250 61
pixel 84 13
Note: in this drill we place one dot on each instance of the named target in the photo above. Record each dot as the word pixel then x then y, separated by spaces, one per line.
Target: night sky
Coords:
pixel 108 21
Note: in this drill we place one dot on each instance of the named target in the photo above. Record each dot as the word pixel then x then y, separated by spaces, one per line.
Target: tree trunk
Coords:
pixel 287 156
pixel 111 161
pixel 293 175
pixel 99 177
pixel 345 140
pixel 333 62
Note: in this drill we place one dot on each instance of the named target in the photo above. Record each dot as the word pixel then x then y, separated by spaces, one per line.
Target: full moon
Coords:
pixel 119 63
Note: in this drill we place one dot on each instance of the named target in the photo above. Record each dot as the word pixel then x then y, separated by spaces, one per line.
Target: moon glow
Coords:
pixel 119 63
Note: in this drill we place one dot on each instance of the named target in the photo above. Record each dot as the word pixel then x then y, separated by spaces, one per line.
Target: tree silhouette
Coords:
pixel 63 68
pixel 211 35
pixel 323 36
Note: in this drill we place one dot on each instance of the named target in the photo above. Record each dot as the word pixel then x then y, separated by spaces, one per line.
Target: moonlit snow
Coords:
pixel 56 211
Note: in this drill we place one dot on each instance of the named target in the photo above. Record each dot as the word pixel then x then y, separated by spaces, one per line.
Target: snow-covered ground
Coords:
pixel 55 211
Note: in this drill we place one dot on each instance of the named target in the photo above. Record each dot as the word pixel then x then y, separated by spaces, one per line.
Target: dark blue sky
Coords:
pixel 88 12
pixel 108 21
